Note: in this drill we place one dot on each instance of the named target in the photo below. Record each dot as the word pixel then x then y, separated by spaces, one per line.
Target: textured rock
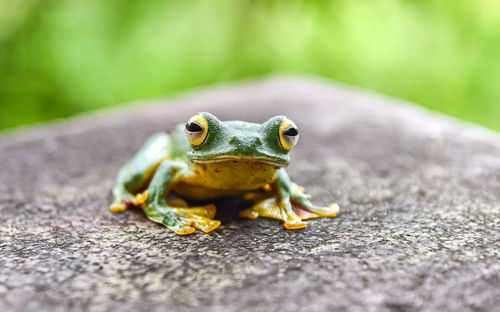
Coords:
pixel 419 227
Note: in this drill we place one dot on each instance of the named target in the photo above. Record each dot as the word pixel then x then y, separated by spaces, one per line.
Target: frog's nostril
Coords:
pixel 234 140
pixel 249 143
pixel 237 141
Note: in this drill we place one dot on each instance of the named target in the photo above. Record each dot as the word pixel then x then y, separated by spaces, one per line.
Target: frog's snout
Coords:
pixel 253 147
pixel 245 143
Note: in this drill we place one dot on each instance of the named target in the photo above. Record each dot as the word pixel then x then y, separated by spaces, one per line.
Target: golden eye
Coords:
pixel 289 134
pixel 196 130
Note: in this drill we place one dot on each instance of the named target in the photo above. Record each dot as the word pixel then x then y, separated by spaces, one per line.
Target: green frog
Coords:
pixel 206 159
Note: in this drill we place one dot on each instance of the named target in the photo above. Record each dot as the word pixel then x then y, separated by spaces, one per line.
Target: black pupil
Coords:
pixel 292 132
pixel 193 127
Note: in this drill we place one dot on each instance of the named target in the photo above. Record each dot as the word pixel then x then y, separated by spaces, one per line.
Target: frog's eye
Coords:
pixel 196 130
pixel 289 134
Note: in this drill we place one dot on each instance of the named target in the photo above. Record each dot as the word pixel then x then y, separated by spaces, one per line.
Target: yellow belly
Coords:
pixel 218 179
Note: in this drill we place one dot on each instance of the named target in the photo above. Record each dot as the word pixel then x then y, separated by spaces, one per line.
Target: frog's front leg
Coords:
pixel 134 176
pixel 179 219
pixel 286 201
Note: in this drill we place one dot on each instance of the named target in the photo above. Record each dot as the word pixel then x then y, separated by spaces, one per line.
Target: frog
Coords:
pixel 206 159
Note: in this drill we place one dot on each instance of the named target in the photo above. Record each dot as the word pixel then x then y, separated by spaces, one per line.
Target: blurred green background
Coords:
pixel 62 57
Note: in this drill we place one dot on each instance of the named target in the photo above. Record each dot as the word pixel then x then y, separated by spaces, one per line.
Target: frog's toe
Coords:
pixel 333 210
pixel 249 213
pixel 137 200
pixel 297 225
pixel 184 230
pixel 206 225
pixel 140 199
pixel 120 206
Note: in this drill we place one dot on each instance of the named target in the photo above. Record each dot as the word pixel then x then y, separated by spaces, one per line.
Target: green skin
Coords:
pixel 164 160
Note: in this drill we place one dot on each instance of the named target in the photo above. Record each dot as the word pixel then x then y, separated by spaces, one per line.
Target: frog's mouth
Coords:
pixel 235 159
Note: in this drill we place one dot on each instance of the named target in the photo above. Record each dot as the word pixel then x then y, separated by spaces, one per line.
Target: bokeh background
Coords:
pixel 62 57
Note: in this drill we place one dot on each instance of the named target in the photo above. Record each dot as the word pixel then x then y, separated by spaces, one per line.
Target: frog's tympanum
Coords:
pixel 207 159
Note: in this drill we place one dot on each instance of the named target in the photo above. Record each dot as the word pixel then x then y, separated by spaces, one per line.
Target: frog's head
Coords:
pixel 215 141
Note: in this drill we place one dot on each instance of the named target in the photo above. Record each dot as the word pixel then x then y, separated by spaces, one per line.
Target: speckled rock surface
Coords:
pixel 419 227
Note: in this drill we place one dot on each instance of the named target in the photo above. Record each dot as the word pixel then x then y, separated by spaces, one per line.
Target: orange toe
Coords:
pixel 295 226
pixel 185 230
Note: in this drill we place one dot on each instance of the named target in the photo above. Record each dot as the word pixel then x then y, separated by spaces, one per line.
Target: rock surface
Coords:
pixel 418 230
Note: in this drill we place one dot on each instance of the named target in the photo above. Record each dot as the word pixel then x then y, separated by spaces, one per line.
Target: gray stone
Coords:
pixel 419 226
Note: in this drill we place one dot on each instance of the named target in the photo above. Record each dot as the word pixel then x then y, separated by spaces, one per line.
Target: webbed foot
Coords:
pixel 122 205
pixel 182 220
pixel 293 211
pixel 276 209
pixel 303 207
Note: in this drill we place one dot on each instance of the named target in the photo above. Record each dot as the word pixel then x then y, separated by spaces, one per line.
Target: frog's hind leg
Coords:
pixel 134 177
pixel 305 209
pixel 292 210
pixel 286 201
